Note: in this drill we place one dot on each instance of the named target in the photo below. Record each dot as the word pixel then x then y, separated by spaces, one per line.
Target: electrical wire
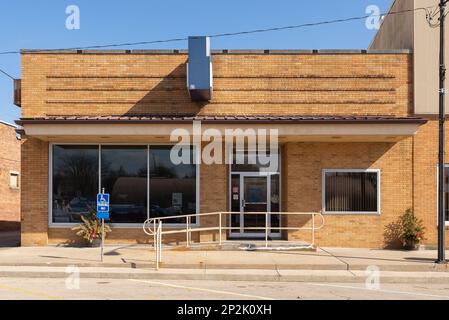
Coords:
pixel 7 74
pixel 305 25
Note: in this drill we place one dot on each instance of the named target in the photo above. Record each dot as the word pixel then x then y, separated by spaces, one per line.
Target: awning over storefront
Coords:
pixel 154 128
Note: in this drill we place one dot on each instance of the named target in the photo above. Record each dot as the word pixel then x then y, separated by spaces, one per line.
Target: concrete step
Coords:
pixel 242 245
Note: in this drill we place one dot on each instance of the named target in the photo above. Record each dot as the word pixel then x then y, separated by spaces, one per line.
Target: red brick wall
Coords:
pixel 9 161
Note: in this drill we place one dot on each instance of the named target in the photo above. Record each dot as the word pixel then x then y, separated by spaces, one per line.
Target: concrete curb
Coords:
pixel 202 266
pixel 228 275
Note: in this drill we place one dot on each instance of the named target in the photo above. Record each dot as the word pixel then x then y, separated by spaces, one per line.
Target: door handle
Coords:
pixel 243 203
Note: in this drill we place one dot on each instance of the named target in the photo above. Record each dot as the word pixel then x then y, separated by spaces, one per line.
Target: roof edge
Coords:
pixel 218 52
pixel 224 119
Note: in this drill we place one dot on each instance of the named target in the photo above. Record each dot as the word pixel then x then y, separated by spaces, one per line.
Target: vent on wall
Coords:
pixel 199 69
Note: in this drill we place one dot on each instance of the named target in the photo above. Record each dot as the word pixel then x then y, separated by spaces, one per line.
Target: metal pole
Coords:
pixel 157 246
pixel 266 229
pixel 102 233
pixel 441 140
pixel 102 239
pixel 219 224
pixel 160 242
pixel 313 229
pixel 154 234
pixel 187 233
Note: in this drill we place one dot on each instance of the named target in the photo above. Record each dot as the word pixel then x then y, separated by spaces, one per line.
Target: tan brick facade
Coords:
pixel 107 84
pixel 245 84
pixel 9 164
pixel 303 184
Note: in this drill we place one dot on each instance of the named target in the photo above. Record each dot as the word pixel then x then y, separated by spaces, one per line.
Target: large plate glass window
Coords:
pixel 75 181
pixel 122 170
pixel 124 177
pixel 172 186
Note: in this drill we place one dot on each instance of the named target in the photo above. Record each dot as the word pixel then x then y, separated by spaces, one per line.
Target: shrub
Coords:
pixel 90 229
pixel 411 229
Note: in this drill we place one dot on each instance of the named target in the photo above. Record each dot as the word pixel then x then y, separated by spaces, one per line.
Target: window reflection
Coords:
pixel 172 187
pixel 124 176
pixel 75 181
pixel 249 161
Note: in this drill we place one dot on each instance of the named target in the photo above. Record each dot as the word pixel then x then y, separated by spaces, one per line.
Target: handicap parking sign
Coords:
pixel 103 206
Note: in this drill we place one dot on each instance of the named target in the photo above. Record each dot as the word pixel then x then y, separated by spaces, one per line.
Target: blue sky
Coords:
pixel 40 24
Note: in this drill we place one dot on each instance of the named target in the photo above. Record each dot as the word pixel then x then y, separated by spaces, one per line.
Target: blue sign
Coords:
pixel 103 215
pixel 103 206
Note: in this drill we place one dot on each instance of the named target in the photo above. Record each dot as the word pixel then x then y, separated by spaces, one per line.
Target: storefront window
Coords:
pixel 124 177
pixel 172 187
pixel 76 171
pixel 75 181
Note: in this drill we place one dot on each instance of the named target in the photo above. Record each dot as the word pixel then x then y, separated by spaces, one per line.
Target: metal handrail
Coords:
pixel 153 227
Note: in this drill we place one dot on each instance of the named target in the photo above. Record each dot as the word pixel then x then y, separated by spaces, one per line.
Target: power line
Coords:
pixel 6 74
pixel 312 24
pixel 320 23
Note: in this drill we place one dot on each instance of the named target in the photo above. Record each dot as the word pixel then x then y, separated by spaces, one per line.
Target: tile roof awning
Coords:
pixel 147 128
pixel 264 119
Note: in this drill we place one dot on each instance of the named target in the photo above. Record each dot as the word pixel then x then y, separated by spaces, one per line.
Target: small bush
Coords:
pixel 411 229
pixel 90 229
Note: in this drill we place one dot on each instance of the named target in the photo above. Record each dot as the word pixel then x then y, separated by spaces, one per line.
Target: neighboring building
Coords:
pixel 411 31
pixel 347 132
pixel 9 174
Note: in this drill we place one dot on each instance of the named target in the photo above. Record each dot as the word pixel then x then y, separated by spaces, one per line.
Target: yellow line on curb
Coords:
pixel 203 289
pixel 31 293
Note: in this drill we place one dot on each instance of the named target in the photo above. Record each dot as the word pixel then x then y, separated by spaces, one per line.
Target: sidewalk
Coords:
pixel 138 262
pixel 143 256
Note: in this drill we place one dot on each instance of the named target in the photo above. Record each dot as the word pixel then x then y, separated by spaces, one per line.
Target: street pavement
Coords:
pixel 128 272
pixel 122 289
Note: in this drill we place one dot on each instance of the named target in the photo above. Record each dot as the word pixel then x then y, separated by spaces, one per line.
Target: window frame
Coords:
pixel 57 225
pixel 446 222
pixel 323 192
pixel 17 175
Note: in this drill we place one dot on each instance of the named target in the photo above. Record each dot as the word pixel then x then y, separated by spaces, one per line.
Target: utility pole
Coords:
pixel 441 140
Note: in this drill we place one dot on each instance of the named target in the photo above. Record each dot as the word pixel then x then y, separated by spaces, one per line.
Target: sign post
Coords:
pixel 102 213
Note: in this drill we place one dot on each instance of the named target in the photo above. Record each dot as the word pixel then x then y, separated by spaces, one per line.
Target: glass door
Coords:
pixel 254 199
pixel 251 193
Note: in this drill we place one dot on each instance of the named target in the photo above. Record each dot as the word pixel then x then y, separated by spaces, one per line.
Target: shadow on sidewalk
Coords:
pixel 339 256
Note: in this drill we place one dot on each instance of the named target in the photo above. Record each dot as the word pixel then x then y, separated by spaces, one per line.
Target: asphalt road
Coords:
pixel 58 289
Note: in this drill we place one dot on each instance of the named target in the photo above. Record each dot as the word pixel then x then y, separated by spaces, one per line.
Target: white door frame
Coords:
pixel 240 233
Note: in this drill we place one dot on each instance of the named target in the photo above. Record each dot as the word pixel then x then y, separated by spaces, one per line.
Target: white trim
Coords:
pixel 8 124
pixel 323 193
pixel 50 185
pixel 148 182
pixel 17 175
pixel 230 155
pixel 52 224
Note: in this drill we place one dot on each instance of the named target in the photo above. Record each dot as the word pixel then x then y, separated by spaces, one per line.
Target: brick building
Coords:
pixel 350 144
pixel 9 175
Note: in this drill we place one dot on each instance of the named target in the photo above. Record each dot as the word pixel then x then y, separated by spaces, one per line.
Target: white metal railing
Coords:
pixel 153 227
